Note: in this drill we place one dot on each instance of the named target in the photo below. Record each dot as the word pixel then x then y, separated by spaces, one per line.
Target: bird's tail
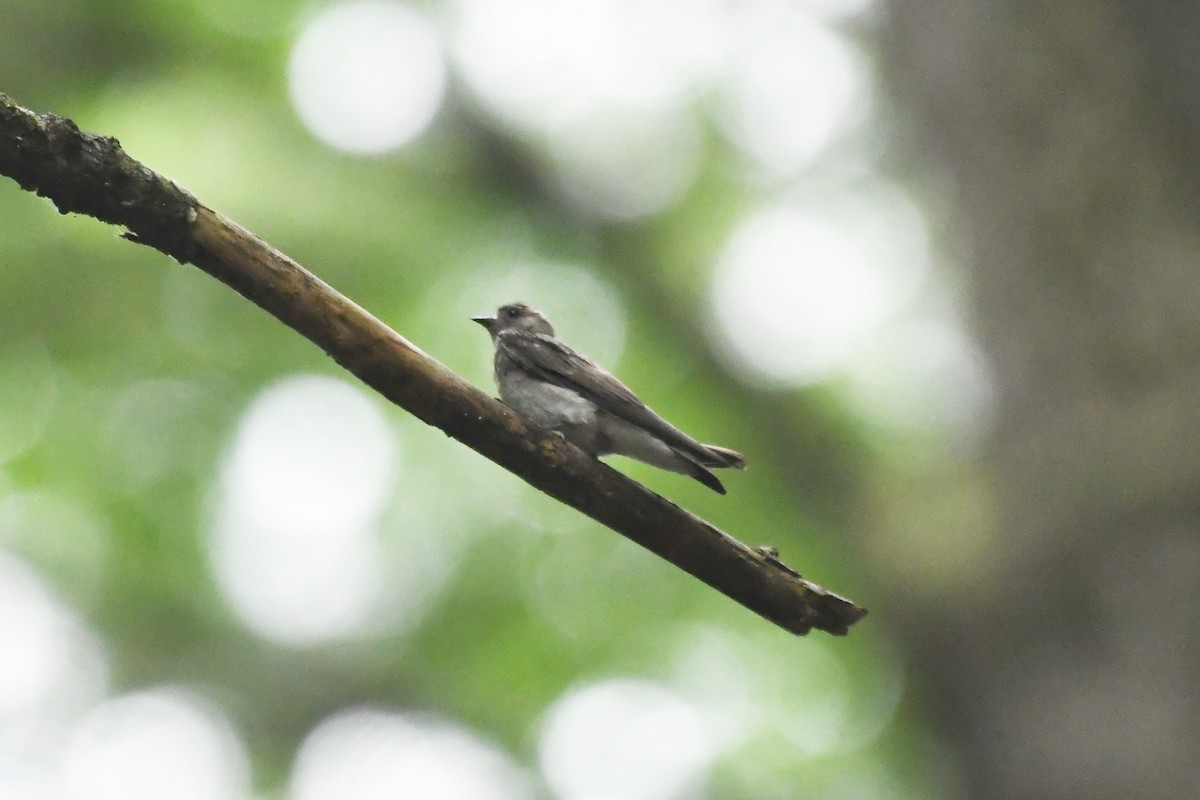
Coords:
pixel 704 476
pixel 722 458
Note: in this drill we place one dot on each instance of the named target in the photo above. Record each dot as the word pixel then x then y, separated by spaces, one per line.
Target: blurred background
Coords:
pixel 932 265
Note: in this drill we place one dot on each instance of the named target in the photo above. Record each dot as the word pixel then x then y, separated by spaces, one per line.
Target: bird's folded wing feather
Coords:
pixel 550 360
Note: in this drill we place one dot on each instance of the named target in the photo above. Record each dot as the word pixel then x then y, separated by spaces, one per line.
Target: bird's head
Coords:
pixel 516 316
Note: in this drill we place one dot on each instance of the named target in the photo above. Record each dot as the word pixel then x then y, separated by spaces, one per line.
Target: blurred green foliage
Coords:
pixel 123 378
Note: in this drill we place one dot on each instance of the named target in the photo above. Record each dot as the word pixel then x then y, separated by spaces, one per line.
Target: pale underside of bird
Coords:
pixel 554 386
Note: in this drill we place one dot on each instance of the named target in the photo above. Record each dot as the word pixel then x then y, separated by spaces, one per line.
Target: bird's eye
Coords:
pixel 511 313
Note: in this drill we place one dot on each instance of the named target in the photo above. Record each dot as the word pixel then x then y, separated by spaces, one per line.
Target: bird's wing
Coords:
pixel 548 359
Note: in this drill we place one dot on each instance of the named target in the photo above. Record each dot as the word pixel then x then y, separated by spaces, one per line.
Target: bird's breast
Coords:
pixel 545 404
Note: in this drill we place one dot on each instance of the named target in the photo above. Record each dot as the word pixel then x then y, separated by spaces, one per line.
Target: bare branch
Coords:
pixel 92 175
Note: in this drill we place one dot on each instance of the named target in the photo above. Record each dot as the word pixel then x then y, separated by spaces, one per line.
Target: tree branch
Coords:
pixel 92 175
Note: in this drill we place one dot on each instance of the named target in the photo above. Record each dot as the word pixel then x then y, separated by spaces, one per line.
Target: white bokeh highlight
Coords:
pixel 796 88
pixel 154 744
pixel 603 86
pixel 52 669
pixel 545 66
pixel 615 91
pixel 655 163
pixel 834 10
pixel 625 739
pixel 51 663
pixel 802 287
pixel 369 754
pixel 294 539
pixel 367 76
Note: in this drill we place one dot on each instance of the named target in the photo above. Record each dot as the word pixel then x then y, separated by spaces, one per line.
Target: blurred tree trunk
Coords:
pixel 1070 135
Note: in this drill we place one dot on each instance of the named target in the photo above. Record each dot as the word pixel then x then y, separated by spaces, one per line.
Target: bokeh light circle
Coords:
pixel 802 287
pixel 153 744
pixel 294 539
pixel 624 738
pixel 367 76
pixel 369 754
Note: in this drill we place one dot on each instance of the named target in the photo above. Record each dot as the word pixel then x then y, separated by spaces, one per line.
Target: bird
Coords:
pixel 554 386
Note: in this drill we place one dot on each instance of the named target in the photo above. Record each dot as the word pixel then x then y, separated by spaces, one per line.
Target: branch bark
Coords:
pixel 92 175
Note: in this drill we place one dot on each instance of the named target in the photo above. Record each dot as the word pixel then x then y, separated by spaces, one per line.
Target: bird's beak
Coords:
pixel 487 322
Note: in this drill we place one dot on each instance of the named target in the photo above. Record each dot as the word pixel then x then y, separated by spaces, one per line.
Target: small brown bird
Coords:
pixel 556 387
